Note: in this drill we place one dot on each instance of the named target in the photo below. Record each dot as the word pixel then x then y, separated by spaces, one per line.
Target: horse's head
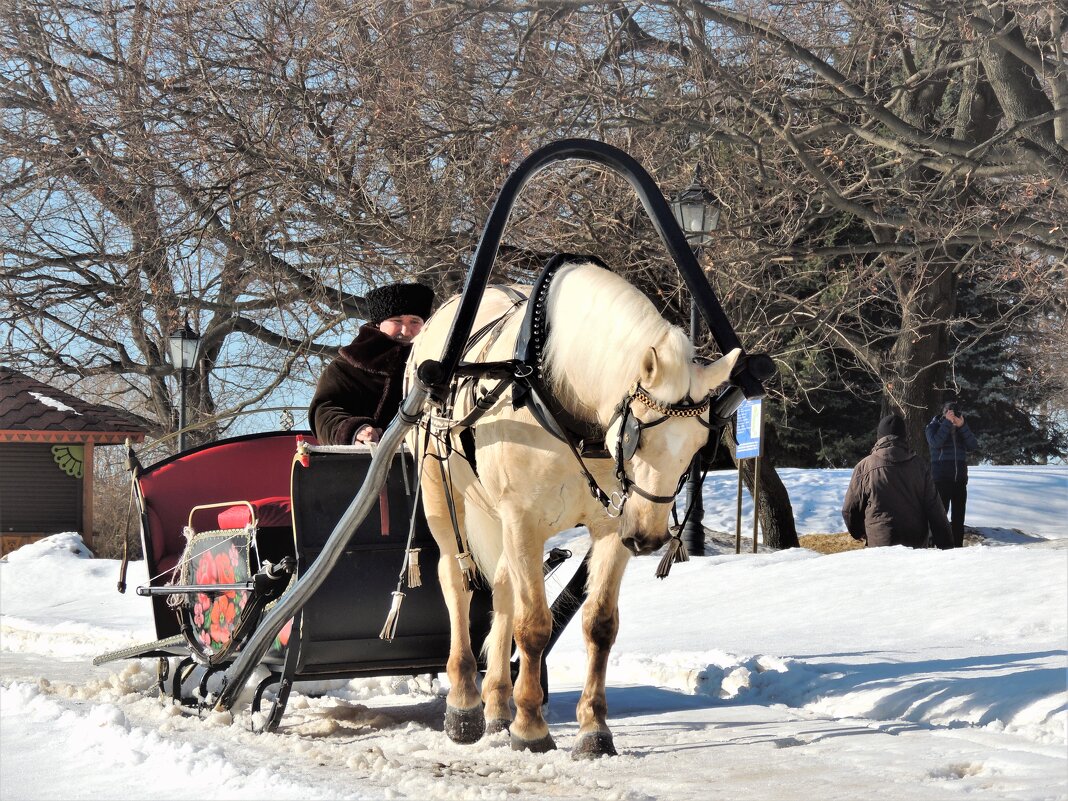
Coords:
pixel 659 426
pixel 611 356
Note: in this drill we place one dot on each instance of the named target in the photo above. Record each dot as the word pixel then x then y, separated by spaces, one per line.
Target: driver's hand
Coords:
pixel 368 434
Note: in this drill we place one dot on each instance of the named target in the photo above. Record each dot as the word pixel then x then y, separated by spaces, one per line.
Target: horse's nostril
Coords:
pixel 631 545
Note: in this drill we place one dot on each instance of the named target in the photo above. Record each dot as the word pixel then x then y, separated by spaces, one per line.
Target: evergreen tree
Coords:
pixel 832 426
pixel 997 382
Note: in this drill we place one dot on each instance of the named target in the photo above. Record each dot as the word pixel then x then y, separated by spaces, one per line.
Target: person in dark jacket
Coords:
pixel 950 442
pixel 891 499
pixel 361 390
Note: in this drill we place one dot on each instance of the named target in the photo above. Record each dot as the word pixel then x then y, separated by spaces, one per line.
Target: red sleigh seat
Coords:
pixel 269 512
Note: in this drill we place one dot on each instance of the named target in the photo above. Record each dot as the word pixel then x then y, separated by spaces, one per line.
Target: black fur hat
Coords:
pixel 393 300
pixel 892 424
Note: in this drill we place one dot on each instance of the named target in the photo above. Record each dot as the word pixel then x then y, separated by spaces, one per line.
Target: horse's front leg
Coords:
pixel 533 626
pixel 600 623
pixel 464 719
pixel 497 683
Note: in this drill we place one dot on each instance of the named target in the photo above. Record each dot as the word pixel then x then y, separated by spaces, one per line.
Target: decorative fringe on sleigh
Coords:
pixel 180 601
pixel 675 552
pixel 467 570
pixel 389 629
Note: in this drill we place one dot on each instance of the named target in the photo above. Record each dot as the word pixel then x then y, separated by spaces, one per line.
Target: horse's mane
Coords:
pixel 600 327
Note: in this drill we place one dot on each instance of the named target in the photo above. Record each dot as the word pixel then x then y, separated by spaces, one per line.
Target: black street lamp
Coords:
pixel 697 213
pixel 184 345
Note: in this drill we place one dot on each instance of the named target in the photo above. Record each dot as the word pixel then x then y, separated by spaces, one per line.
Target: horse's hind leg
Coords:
pixel 600 622
pixel 464 720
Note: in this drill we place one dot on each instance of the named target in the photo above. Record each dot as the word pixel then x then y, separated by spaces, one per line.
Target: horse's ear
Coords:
pixel 718 373
pixel 650 365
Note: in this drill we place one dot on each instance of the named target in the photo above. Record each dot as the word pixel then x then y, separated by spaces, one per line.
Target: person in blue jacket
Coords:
pixel 950 442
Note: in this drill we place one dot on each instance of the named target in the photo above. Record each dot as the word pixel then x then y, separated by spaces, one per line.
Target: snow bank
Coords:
pixel 909 674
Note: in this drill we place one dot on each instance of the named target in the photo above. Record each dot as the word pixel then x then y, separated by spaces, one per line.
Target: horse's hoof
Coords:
pixel 464 725
pixel 497 725
pixel 593 744
pixel 539 746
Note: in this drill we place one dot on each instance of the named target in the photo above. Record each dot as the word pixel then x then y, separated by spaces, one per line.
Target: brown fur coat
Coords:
pixel 362 386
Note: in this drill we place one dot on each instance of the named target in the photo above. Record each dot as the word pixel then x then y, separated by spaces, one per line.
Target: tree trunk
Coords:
pixel 915 373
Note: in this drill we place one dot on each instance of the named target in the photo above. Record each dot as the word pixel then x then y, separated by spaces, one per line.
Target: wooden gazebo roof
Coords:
pixel 31 411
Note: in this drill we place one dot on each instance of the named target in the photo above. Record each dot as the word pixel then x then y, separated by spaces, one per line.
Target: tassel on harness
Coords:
pixel 467 570
pixel 389 629
pixel 415 578
pixel 676 549
pixel 675 552
pixel 465 562
pixel 409 571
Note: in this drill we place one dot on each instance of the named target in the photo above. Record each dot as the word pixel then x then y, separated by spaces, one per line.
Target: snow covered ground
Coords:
pixel 883 673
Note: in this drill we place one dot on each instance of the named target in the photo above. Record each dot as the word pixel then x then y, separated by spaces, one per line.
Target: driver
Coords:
pixel 360 391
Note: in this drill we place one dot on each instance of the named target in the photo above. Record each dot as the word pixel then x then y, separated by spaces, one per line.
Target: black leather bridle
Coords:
pixel 629 439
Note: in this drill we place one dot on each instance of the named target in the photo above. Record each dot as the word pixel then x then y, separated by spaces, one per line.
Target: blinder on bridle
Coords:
pixel 630 433
pixel 631 430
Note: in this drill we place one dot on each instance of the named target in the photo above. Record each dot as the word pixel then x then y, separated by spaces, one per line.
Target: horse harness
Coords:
pixel 524 374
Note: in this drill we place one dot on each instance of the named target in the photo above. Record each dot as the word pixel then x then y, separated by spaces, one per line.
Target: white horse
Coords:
pixel 611 360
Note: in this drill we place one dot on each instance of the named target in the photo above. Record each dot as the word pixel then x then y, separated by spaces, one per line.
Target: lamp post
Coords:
pixel 697 213
pixel 184 345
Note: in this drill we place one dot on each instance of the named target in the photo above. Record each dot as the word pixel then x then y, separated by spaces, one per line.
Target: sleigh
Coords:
pixel 227 528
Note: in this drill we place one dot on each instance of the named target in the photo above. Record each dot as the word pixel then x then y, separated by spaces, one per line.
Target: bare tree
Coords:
pixel 890 148
pixel 119 223
pixel 868 155
pixel 259 165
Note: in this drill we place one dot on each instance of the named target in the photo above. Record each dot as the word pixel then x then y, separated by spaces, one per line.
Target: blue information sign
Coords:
pixel 750 427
